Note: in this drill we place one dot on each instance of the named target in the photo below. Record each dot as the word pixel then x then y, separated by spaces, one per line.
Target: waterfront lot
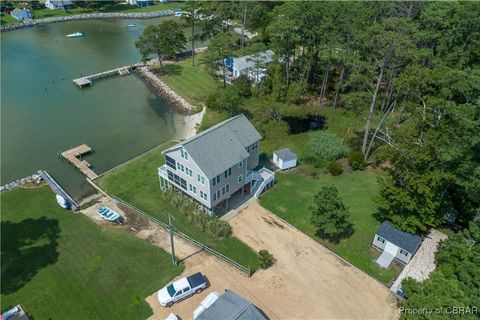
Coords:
pixel 60 265
pixel 293 194
pixel 306 282
pixel 192 83
pixel 137 183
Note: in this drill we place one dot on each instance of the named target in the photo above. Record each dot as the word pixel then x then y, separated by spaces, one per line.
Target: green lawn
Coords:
pixel 192 83
pixel 60 265
pixel 137 183
pixel 293 194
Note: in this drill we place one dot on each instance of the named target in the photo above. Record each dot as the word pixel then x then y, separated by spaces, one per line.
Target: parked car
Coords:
pixel 181 289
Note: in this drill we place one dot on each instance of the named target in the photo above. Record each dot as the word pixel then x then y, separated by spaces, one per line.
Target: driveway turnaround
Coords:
pixel 306 282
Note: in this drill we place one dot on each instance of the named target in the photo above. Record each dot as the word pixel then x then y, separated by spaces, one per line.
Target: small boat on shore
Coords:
pixel 62 202
pixel 107 214
pixel 75 35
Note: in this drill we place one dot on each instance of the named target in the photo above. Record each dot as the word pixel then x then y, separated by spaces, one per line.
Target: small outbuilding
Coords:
pixel 231 306
pixel 395 244
pixel 58 4
pixel 284 159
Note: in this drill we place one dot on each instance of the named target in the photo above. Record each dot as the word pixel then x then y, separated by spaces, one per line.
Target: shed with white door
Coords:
pixel 284 159
pixel 395 244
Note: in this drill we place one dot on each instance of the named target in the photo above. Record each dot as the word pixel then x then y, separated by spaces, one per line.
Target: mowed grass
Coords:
pixel 294 193
pixel 137 183
pixel 194 83
pixel 60 265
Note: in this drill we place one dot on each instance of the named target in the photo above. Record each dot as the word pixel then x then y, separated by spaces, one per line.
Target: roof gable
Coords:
pixel 221 146
pixel 285 154
pixel 404 240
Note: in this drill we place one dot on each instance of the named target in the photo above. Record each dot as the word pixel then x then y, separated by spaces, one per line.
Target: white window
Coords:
pixel 178 165
pixel 188 171
pixel 227 188
pixel 240 177
pixel 218 194
pixel 223 190
pixel 380 239
pixel 204 196
pixel 405 253
pixel 201 179
pixel 184 154
pixel 182 168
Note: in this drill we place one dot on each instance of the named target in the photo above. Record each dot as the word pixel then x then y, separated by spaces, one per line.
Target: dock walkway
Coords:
pixel 73 155
pixel 122 71
pixel 57 188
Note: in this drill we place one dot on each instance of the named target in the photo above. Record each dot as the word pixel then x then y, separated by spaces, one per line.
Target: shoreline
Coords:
pixel 87 16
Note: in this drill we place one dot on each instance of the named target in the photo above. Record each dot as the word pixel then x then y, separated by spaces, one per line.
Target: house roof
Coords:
pixel 404 240
pixel 61 2
pixel 285 154
pixel 248 62
pixel 221 146
pixel 231 306
pixel 20 12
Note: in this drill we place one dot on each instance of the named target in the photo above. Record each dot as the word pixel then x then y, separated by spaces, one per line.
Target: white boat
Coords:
pixel 75 35
pixel 62 202
pixel 131 25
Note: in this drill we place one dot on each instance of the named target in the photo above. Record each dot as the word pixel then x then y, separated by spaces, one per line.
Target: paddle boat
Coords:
pixel 107 214
pixel 75 35
pixel 62 202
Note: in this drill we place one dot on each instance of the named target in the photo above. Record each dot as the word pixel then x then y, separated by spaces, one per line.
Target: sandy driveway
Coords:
pixel 307 282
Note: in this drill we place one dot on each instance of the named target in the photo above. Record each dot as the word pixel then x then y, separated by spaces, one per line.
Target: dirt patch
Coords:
pixel 273 222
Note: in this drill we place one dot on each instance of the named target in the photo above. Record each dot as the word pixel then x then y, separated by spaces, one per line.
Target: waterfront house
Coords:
pixel 394 244
pixel 21 14
pixel 58 4
pixel 217 163
pixel 253 66
pixel 140 3
pixel 284 159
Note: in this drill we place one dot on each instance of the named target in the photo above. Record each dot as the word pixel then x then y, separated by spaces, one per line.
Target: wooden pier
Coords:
pixel 73 156
pixel 88 80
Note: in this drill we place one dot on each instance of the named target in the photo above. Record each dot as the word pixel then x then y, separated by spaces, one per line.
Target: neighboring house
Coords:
pixel 216 163
pixel 58 4
pixel 253 66
pixel 141 3
pixel 395 244
pixel 231 306
pixel 21 14
pixel 284 159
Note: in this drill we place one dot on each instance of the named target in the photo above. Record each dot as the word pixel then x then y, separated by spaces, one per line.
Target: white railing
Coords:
pixel 263 185
pixel 267 176
pixel 162 171
pixel 252 175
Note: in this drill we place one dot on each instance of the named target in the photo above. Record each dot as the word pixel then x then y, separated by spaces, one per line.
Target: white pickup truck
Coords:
pixel 181 289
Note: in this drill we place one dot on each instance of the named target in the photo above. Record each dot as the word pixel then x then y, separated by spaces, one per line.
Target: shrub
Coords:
pixel 225 100
pixel 355 159
pixel 244 86
pixel 266 259
pixel 327 145
pixel 210 224
pixel 335 168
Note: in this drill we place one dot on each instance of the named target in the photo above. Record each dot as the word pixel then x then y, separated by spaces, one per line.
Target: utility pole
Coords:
pixel 170 229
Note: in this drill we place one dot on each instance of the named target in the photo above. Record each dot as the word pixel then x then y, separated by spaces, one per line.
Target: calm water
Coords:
pixel 43 113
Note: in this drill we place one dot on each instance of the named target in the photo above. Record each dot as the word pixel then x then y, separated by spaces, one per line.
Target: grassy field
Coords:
pixel 192 83
pixel 60 265
pixel 137 183
pixel 293 194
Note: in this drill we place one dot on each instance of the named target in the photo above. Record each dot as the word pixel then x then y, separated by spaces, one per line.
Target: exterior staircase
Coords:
pixel 262 178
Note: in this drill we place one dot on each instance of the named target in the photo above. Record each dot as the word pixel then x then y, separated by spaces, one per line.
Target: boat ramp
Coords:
pixel 57 188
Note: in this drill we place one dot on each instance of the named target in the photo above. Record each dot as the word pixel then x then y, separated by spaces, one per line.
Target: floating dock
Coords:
pixel 73 156
pixel 88 80
pixel 57 188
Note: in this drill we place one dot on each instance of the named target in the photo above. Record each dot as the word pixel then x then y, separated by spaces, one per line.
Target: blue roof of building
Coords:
pixel 404 240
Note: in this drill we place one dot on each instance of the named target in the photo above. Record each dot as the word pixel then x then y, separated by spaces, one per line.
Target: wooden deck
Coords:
pixel 73 156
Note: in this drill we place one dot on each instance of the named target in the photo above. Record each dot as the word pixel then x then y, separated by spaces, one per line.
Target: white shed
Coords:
pixel 284 159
